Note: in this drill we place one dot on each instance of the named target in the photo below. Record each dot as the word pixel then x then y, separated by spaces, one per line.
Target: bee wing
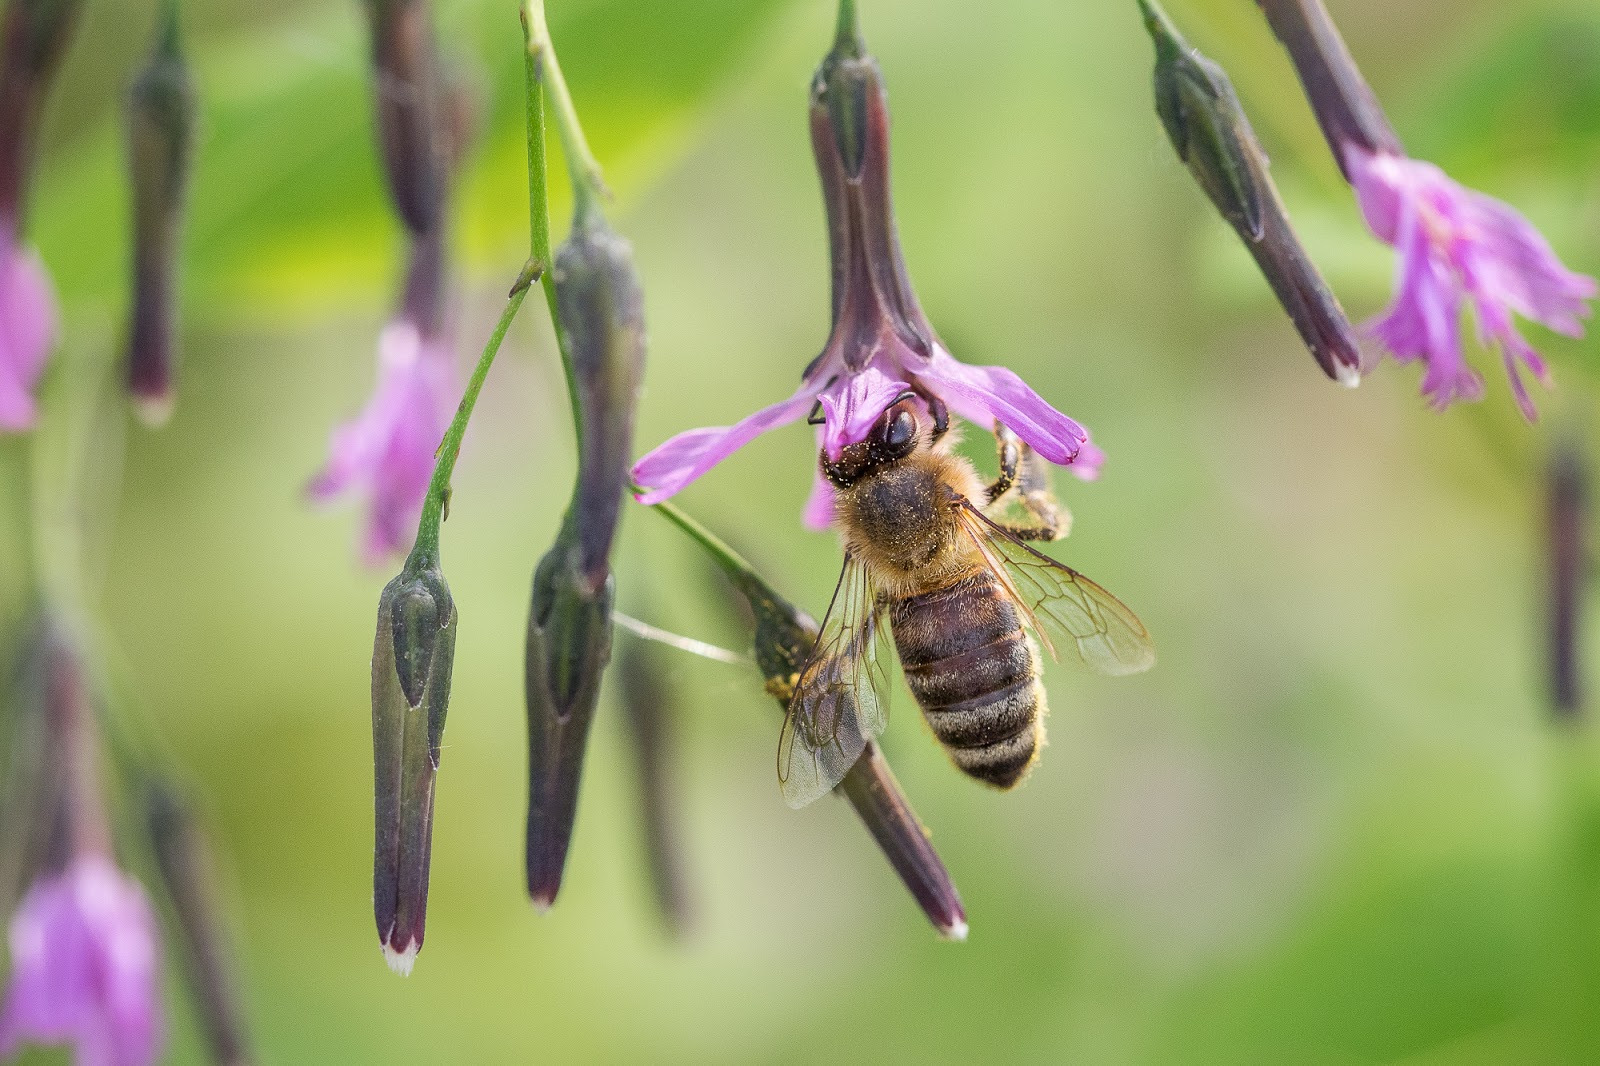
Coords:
pixel 1061 602
pixel 835 709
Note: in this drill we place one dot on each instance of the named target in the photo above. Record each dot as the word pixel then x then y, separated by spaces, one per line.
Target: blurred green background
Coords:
pixel 1334 825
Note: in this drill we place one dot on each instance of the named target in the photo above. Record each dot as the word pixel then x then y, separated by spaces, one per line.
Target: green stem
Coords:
pixel 740 571
pixel 847 39
pixel 425 553
pixel 587 183
pixel 538 193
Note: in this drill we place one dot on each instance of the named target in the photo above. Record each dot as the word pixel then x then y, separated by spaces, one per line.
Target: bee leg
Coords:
pixel 1040 499
pixel 1010 453
pixel 1025 470
pixel 940 413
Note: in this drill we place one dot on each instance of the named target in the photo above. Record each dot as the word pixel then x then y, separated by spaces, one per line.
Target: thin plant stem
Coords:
pixel 437 503
pixel 588 185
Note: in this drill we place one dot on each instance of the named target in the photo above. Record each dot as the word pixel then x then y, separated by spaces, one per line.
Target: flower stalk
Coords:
pixel 188 871
pixel 1567 526
pixel 783 638
pixel 650 710
pixel 1206 124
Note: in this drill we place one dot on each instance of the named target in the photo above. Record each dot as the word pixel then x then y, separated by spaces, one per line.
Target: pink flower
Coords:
pixel 85 968
pixel 882 344
pixel 1455 245
pixel 27 331
pixel 387 452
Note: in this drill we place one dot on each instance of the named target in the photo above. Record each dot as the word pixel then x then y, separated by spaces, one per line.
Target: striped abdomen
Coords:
pixel 976 675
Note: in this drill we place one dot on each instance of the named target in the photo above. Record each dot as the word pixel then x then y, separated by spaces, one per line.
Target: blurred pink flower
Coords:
pixel 386 453
pixel 85 962
pixel 1455 244
pixel 27 331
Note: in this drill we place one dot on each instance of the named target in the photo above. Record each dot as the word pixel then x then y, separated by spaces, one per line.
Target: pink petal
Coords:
pixel 818 513
pixel 1511 263
pixel 85 967
pixel 28 321
pixel 985 395
pixel 853 404
pixel 677 462
pixel 387 452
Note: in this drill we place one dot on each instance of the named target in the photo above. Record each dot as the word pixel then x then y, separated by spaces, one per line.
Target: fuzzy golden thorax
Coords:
pixel 902 521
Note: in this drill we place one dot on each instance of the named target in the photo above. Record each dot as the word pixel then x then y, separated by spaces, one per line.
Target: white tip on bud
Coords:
pixel 957 932
pixel 402 961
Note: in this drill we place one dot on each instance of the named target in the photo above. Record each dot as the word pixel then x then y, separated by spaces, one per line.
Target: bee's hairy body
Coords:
pixel 966 656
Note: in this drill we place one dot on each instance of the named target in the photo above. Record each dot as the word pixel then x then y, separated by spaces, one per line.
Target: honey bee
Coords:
pixel 965 597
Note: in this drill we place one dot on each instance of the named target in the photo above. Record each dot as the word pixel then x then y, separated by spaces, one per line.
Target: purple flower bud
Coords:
pixel 406 84
pixel 601 313
pixel 85 960
pixel 1208 127
pixel 881 344
pixel 33 39
pixel 412 655
pixel 783 640
pixel 1567 514
pixel 161 116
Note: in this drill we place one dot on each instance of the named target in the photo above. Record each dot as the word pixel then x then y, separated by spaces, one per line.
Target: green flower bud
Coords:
pixel 601 315
pixel 412 656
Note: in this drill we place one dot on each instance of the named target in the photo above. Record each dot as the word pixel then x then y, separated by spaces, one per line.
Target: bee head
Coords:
pixel 893 437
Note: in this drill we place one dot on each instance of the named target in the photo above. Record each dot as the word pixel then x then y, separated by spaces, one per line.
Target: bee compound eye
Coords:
pixel 900 432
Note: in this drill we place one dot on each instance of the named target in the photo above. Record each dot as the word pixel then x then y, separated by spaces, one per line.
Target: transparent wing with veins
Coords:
pixel 836 707
pixel 1065 607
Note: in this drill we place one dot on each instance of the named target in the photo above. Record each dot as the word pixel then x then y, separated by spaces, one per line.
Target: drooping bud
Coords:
pixel 161 117
pixel 650 709
pixel 188 872
pixel 601 311
pixel 784 637
pixel 874 304
pixel 1346 108
pixel 412 656
pixel 1206 124
pixel 33 40
pixel 1567 529
pixel 406 85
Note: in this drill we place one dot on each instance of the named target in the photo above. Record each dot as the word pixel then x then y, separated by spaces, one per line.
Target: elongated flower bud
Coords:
pixel 411 661
pixel 406 84
pixel 1208 127
pixel 650 708
pixel 33 39
pixel 783 640
pixel 187 870
pixel 1568 528
pixel 1346 109
pixel 161 117
pixel 785 636
pixel 601 314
